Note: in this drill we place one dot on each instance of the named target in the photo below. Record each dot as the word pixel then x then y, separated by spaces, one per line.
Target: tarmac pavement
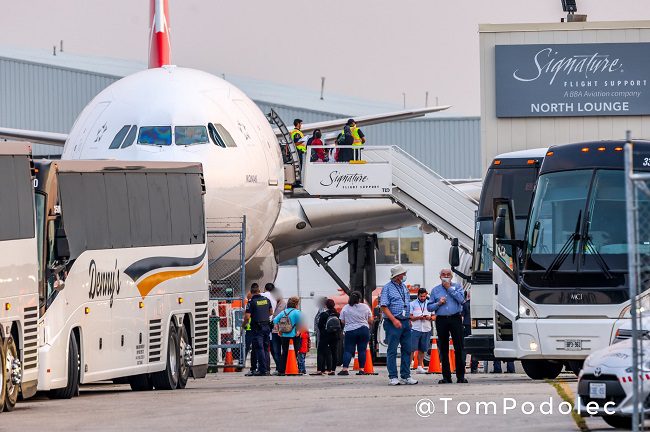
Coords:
pixel 231 401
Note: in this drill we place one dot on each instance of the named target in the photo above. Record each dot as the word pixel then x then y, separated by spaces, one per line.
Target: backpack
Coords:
pixel 333 324
pixel 284 324
pixel 340 139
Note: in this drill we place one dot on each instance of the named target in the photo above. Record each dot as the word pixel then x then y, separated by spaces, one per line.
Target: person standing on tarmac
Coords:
pixel 249 336
pixel 421 327
pixel 395 307
pixel 447 302
pixel 294 317
pixel 297 137
pixel 258 313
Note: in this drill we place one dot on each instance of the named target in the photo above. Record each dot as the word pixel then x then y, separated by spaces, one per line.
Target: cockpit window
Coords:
pixel 190 135
pixel 155 135
pixel 220 136
pixel 130 137
pixel 117 141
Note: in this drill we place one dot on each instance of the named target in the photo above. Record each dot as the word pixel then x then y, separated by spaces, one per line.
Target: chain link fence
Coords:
pixel 637 191
pixel 226 243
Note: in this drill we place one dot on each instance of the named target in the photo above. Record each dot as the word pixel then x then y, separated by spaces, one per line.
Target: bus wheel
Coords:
pixel 72 387
pixel 13 374
pixel 541 369
pixel 186 357
pixel 3 376
pixel 167 379
pixel 140 382
pixel 575 366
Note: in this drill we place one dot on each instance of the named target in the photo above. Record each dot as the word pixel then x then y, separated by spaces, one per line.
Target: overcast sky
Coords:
pixel 372 49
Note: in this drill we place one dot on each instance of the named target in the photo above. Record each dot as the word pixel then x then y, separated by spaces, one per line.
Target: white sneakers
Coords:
pixel 407 381
pixel 420 370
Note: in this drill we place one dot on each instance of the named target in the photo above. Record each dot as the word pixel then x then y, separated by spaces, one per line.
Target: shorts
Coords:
pixel 420 341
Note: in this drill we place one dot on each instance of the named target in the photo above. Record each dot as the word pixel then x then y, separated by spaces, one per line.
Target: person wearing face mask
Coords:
pixel 447 302
pixel 396 310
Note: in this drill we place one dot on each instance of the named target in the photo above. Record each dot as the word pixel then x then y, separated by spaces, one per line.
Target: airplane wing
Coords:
pixel 367 120
pixel 51 138
pixel 310 224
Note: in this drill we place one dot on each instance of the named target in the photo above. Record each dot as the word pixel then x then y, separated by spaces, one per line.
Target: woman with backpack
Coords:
pixel 329 328
pixel 287 323
pixel 317 154
pixel 357 319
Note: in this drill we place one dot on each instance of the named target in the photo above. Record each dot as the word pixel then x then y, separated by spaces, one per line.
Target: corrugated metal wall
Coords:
pixel 49 98
pixel 45 98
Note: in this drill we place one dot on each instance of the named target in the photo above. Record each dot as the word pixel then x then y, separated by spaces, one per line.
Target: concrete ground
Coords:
pixel 231 401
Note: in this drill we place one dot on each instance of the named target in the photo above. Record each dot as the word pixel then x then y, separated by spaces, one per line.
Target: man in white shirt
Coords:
pixel 421 327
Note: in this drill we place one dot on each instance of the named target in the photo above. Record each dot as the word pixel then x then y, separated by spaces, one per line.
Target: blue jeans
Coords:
pixel 301 362
pixel 355 339
pixel 401 337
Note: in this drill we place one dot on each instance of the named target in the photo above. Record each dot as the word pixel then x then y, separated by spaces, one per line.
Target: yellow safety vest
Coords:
pixel 355 134
pixel 301 145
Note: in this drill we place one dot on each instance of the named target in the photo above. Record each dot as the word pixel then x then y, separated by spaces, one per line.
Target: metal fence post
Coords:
pixel 631 219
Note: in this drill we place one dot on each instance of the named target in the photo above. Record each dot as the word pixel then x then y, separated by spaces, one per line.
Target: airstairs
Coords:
pixel 290 155
pixel 388 171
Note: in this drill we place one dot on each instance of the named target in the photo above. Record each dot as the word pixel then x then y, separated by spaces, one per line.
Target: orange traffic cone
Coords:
pixel 291 368
pixel 355 366
pixel 416 363
pixel 434 358
pixel 452 356
pixel 368 368
pixel 229 362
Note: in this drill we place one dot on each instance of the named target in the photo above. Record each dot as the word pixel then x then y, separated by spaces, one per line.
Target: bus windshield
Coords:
pixel 514 183
pixel 577 222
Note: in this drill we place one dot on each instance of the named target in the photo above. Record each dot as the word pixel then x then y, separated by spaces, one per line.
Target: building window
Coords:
pixel 403 246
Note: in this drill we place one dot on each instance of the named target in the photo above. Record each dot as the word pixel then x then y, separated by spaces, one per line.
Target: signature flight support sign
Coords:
pixel 572 80
pixel 348 179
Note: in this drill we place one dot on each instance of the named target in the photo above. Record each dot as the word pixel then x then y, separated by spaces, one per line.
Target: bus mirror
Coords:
pixel 500 224
pixel 454 253
pixel 62 247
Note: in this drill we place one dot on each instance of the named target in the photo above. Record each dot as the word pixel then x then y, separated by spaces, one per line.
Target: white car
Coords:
pixel 605 384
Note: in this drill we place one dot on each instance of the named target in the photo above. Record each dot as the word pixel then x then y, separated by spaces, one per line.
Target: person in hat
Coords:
pixel 395 307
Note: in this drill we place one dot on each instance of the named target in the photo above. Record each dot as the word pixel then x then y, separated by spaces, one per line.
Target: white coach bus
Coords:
pixel 18 274
pixel 123 278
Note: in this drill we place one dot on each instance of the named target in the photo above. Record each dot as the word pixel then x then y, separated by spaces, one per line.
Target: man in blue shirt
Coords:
pixel 395 306
pixel 447 302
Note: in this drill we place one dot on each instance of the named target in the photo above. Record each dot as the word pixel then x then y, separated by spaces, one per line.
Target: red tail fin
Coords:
pixel 159 45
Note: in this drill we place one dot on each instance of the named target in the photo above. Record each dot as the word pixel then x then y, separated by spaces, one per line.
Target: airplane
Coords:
pixel 174 113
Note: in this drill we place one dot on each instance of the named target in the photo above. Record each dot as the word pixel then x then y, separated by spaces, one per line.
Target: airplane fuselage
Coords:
pixel 180 114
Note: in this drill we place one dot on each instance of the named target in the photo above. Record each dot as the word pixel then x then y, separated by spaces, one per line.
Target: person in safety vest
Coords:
pixel 258 313
pixel 297 137
pixel 249 337
pixel 358 138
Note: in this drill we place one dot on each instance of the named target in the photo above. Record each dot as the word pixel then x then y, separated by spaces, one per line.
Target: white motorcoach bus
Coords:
pixel 123 278
pixel 562 291
pixel 18 276
pixel 511 176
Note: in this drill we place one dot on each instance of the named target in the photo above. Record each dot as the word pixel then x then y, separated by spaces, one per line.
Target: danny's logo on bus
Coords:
pixel 103 283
